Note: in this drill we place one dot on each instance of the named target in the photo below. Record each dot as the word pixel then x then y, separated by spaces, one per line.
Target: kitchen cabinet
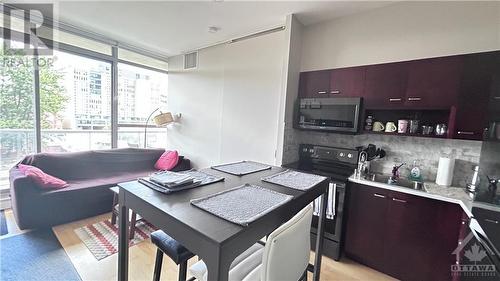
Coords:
pixel 420 84
pixel 406 236
pixel 347 82
pixel 367 208
pixel 342 82
pixel 480 72
pixel 466 87
pixel 314 84
pixel 385 85
pixel 433 83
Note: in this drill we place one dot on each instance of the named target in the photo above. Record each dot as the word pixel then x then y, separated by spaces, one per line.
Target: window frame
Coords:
pixel 113 59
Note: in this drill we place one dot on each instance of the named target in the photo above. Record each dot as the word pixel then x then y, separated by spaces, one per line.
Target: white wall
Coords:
pixel 290 82
pixel 402 31
pixel 230 104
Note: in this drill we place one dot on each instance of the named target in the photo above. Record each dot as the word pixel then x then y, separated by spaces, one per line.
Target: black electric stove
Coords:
pixel 338 164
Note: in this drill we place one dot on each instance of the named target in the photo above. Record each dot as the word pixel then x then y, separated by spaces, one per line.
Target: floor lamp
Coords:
pixel 161 119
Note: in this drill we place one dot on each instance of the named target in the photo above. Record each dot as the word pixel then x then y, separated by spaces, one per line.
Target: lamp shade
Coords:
pixel 163 119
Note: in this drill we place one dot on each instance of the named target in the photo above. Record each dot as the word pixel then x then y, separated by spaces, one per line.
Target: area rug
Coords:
pixel 35 255
pixel 3 224
pixel 102 238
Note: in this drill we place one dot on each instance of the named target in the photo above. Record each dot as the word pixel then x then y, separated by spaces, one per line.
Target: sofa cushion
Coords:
pixel 94 163
pixel 168 160
pixel 101 182
pixel 41 179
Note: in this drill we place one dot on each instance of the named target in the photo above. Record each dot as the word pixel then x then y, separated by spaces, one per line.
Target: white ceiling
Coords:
pixel 172 28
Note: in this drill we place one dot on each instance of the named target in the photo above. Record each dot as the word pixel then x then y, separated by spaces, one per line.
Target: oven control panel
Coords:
pixel 336 154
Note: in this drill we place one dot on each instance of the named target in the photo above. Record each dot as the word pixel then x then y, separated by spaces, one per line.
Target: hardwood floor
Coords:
pixel 142 258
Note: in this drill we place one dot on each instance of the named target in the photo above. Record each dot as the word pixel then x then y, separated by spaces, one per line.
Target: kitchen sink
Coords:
pixel 400 183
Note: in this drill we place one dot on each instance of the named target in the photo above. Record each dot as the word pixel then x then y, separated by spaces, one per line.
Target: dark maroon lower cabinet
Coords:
pixel 405 236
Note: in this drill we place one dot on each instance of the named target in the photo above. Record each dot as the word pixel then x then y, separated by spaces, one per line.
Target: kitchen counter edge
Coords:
pixel 433 191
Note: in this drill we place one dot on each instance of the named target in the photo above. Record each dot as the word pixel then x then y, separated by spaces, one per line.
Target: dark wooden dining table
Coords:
pixel 215 240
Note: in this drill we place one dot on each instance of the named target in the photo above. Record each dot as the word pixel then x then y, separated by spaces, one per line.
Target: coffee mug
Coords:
pixel 402 126
pixel 378 127
pixel 427 130
pixel 390 127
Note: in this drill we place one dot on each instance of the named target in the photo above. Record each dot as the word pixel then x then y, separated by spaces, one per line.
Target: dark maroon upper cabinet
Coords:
pixel 314 84
pixel 347 82
pixel 365 230
pixel 434 83
pixel 385 85
pixel 476 88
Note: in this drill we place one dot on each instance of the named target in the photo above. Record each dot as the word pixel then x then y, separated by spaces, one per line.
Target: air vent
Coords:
pixel 191 60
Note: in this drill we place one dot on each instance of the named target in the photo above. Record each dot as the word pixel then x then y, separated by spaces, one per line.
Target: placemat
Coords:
pixel 241 168
pixel 243 204
pixel 294 179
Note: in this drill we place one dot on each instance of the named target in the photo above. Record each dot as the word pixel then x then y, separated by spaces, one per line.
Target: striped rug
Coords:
pixel 102 238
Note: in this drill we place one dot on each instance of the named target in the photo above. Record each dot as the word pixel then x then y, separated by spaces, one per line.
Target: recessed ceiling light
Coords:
pixel 213 29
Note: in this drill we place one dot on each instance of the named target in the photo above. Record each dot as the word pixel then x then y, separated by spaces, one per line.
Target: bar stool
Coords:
pixel 169 246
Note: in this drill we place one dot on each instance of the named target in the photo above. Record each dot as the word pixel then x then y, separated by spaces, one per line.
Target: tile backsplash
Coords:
pixel 399 149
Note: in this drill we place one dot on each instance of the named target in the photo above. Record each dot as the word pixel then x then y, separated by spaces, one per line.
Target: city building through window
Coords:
pixel 67 103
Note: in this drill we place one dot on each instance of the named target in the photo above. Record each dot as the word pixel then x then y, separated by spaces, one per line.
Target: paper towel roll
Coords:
pixel 445 171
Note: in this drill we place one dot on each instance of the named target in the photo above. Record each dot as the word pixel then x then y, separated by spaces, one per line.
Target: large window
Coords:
pixel 17 110
pixel 140 92
pixel 75 100
pixel 75 103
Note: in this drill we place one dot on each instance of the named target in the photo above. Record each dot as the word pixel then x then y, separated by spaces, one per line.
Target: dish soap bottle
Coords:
pixel 415 173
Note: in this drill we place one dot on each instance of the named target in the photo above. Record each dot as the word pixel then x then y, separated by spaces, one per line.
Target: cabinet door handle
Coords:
pixel 414 99
pixel 394 99
pixel 466 133
pixel 496 98
pixel 335 92
pixel 491 221
pixel 399 200
pixel 321 92
pixel 379 195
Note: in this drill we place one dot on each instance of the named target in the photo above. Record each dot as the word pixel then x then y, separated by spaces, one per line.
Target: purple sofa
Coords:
pixel 89 174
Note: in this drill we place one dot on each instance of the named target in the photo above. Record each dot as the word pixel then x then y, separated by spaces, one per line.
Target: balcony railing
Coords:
pixel 16 143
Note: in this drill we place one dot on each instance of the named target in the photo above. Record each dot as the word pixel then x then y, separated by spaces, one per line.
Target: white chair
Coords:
pixel 284 257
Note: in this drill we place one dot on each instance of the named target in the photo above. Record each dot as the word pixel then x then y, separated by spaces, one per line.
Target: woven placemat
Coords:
pixel 243 204
pixel 294 179
pixel 241 168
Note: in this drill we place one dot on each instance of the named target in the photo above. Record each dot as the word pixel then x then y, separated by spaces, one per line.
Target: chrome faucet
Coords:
pixel 493 184
pixel 395 174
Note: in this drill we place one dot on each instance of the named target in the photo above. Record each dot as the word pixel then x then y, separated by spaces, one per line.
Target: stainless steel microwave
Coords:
pixel 329 114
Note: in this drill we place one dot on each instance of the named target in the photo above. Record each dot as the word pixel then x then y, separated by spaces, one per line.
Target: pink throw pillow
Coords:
pixel 43 180
pixel 168 160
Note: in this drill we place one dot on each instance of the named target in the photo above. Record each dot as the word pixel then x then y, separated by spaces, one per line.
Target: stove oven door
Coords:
pixel 334 211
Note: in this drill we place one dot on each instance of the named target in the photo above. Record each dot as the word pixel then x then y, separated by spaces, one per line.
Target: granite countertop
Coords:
pixel 431 190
